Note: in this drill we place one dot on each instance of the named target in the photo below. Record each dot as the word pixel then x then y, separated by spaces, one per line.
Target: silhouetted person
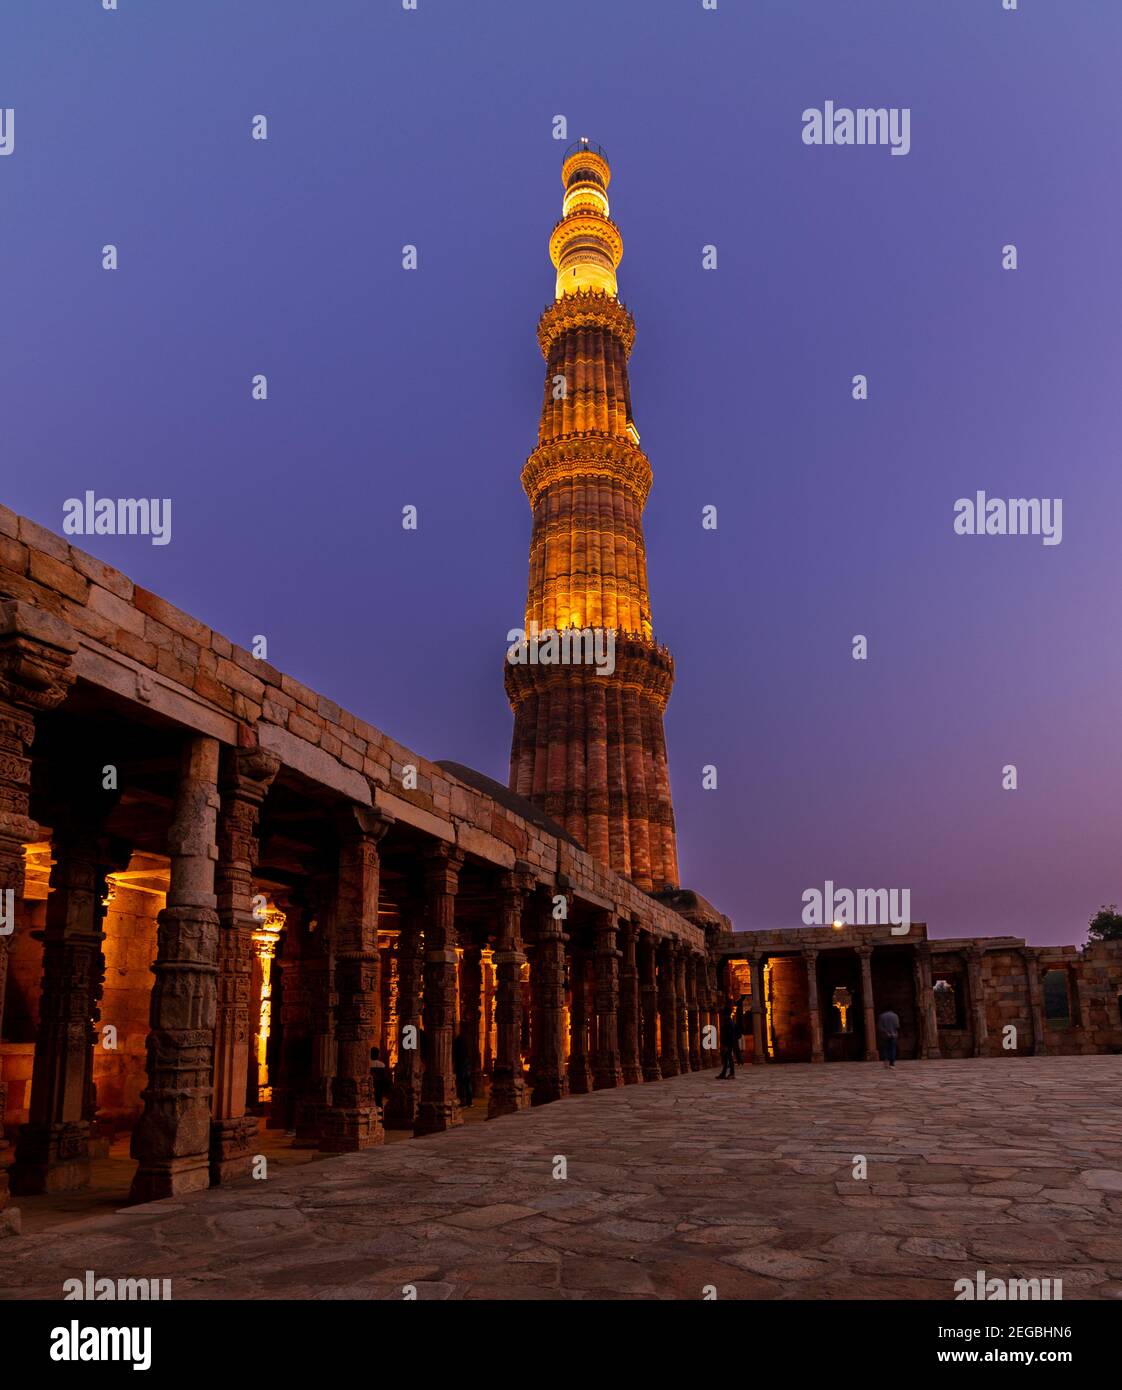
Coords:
pixel 731 1029
pixel 888 1026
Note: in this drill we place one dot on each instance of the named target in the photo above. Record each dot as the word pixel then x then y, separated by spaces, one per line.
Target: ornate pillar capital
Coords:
pixel 36 652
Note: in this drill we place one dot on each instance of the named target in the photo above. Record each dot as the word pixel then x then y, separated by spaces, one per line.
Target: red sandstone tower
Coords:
pixel 589 748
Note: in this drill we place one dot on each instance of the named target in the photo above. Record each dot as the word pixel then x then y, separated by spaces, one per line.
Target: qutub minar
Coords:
pixel 589 748
pixel 268 884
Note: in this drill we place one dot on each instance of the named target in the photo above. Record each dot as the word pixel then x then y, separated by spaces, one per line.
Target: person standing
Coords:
pixel 731 1030
pixel 888 1026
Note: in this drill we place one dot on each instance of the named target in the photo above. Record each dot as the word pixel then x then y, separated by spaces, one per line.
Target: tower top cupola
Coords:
pixel 586 246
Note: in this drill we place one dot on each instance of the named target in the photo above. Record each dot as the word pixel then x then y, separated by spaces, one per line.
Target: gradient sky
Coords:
pixel 388 388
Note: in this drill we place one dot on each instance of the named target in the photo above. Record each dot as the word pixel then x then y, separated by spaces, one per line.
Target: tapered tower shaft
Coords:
pixel 588 745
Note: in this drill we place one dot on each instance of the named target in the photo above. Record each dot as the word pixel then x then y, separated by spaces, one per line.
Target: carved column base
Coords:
pixel 632 1074
pixel 435 1116
pixel 607 1076
pixel 549 1088
pixel 233 1143
pixel 580 1076
pixel 652 1071
pixel 402 1102
pixel 169 1177
pixel 52 1158
pixel 308 1123
pixel 508 1096
pixel 348 1130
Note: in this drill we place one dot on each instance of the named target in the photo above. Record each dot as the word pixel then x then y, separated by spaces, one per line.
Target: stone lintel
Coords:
pixel 110 670
pixel 314 763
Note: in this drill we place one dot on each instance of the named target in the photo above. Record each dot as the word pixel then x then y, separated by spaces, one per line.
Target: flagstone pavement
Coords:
pixel 751 1189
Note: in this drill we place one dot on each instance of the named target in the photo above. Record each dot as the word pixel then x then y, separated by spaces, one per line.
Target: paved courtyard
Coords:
pixel 1010 1166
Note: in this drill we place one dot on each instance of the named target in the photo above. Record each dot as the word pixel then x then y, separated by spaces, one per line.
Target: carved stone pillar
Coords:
pixel 865 954
pixel 245 777
pixel 693 1013
pixel 606 1068
pixel 630 1064
pixel 36 650
pixel 293 1054
pixel 1036 1002
pixel 317 1068
pixel 508 1086
pixel 402 1103
pixel 547 977
pixel 977 999
pixel 53 1151
pixel 171 1141
pixel 759 1004
pixel 810 959
pixel 680 1008
pixel 350 1121
pixel 925 1003
pixel 714 1006
pixel 669 1060
pixel 438 1109
pixel 648 1006
pixel 471 1011
pixel 580 1062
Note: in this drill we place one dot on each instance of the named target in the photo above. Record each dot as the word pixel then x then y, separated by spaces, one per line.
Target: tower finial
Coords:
pixel 586 246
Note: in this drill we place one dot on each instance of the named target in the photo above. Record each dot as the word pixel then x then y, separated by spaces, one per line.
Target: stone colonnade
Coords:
pixel 571 986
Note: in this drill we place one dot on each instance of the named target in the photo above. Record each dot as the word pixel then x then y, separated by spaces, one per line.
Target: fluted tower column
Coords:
pixel 588 745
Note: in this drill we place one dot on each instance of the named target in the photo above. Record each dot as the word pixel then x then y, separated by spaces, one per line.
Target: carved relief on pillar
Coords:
pixel 977 999
pixel 693 1012
pixel 549 1078
pixel 172 1138
pixel 1035 986
pixel 580 1058
pixel 471 1011
pixel 606 1069
pixel 54 1148
pixel 401 1106
pixel 350 1121
pixel 36 651
pixel 315 1064
pixel 631 1066
pixel 438 1109
pixel 925 1002
pixel 817 1053
pixel 245 777
pixel 508 1085
pixel 759 1007
pixel 865 955
pixel 647 957
pixel 669 1059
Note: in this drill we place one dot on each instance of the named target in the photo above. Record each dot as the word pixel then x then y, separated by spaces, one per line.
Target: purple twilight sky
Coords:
pixel 389 387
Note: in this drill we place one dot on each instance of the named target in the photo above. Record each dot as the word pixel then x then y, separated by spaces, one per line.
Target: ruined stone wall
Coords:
pixel 1006 989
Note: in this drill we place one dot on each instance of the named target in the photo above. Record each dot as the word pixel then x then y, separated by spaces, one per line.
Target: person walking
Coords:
pixel 888 1026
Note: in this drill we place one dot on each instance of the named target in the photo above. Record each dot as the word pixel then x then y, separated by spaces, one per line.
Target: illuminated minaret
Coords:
pixel 589 749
